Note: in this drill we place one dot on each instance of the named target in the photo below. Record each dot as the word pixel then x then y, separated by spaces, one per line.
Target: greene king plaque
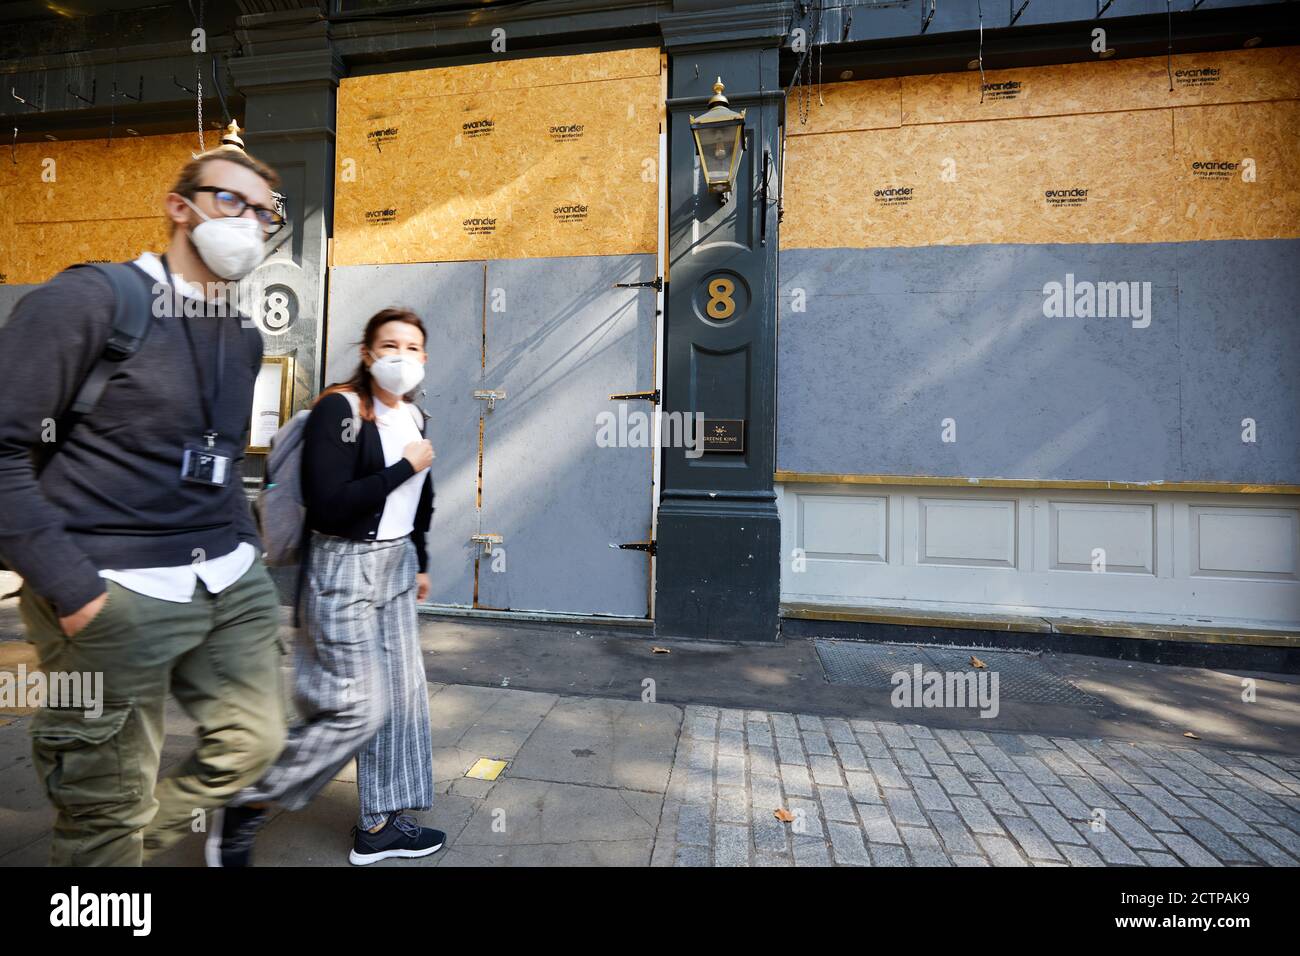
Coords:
pixel 724 434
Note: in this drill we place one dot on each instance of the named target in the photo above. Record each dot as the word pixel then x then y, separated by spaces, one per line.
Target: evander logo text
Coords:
pixel 894 195
pixel 1075 196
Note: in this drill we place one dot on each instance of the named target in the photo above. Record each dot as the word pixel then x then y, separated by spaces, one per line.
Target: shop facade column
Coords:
pixel 718 534
pixel 289 78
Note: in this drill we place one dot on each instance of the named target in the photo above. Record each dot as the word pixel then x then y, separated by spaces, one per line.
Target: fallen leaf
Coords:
pixel 660 650
pixel 784 815
pixel 976 662
pixel 1192 735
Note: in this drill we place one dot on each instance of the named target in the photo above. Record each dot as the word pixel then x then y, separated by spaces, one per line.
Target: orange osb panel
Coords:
pixel 1102 86
pixel 1100 178
pixel 555 156
pixel 1075 154
pixel 85 200
pixel 1238 171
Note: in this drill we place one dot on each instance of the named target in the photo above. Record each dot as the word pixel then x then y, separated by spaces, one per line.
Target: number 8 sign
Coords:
pixel 722 297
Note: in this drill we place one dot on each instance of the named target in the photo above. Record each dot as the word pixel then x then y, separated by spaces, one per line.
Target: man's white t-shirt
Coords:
pixel 397 429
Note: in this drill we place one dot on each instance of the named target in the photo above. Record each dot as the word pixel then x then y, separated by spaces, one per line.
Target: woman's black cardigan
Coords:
pixel 345 482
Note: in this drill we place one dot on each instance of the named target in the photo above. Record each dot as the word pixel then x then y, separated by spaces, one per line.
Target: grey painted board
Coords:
pixel 449 298
pixel 894 341
pixel 1239 306
pixel 560 339
pixel 9 296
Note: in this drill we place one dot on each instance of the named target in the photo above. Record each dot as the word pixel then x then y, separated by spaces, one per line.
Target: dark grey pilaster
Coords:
pixel 289 79
pixel 718 535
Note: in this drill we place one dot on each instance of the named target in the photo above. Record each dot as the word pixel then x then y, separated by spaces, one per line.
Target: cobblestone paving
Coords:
pixel 871 793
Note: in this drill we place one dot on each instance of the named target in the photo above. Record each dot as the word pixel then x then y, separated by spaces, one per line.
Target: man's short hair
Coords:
pixel 191 174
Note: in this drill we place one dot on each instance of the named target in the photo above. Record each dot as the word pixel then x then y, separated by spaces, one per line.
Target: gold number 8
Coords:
pixel 721 304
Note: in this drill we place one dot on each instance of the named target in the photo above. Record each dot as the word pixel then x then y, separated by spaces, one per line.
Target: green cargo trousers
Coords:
pixel 219 655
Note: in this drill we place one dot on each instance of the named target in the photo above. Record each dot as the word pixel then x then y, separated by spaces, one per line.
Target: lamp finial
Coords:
pixel 231 136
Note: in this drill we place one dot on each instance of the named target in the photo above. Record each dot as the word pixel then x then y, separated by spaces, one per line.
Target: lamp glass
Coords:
pixel 717 147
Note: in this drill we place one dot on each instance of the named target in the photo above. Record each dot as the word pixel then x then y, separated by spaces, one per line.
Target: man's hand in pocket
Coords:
pixel 78 620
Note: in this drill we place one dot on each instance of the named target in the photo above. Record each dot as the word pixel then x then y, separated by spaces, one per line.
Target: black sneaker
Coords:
pixel 401 836
pixel 230 841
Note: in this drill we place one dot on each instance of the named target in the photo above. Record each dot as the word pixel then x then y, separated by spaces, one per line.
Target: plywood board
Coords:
pixel 865 104
pixel 85 200
pixel 381 91
pixel 1235 76
pixel 1237 171
pixel 541 169
pixel 1098 178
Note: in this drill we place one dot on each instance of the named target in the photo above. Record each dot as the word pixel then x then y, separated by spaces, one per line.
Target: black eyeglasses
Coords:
pixel 230 203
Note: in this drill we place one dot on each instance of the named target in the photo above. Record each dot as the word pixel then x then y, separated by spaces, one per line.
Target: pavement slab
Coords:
pixel 595 775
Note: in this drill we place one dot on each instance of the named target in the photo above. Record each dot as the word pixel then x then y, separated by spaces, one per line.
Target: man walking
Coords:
pixel 138 552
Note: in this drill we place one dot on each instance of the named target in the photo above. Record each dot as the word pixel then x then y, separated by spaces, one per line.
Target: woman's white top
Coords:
pixel 397 429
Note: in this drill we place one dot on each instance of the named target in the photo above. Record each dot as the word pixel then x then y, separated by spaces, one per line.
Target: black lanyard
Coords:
pixel 208 401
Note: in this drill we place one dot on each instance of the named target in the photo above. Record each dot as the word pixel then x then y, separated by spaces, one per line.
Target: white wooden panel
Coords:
pixel 843 526
pixel 974 532
pixel 1171 557
pixel 1123 533
pixel 1244 542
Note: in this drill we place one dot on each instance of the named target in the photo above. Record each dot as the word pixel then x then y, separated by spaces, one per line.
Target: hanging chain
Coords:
pixel 820 101
pixel 198 75
pixel 805 96
pixel 802 82
pixel 198 81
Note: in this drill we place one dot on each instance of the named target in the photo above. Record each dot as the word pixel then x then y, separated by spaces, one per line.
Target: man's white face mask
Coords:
pixel 231 247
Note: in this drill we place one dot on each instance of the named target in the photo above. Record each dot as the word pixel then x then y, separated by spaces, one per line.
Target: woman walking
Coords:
pixel 360 682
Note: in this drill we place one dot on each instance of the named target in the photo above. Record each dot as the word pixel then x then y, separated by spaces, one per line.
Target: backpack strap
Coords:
pixel 132 318
pixel 420 417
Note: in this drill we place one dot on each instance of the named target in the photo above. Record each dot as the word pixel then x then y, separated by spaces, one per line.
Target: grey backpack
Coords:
pixel 281 511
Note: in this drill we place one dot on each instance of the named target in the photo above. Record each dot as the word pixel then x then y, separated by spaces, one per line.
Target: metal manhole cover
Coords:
pixel 1021 677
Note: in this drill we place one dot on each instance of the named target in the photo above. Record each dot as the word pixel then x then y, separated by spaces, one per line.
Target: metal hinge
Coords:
pixel 646 546
pixel 487 540
pixel 657 283
pixel 490 395
pixel 651 396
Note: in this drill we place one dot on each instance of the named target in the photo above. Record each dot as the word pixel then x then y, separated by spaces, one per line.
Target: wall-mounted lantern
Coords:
pixel 719 140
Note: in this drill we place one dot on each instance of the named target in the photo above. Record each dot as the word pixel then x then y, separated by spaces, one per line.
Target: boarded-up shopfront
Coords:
pixel 516 207
pixel 1037 342
pixel 90 200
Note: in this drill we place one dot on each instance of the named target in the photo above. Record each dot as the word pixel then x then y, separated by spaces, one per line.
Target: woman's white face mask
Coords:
pixel 231 247
pixel 397 373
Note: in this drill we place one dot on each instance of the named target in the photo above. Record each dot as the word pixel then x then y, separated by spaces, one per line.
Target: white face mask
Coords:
pixel 231 247
pixel 397 373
